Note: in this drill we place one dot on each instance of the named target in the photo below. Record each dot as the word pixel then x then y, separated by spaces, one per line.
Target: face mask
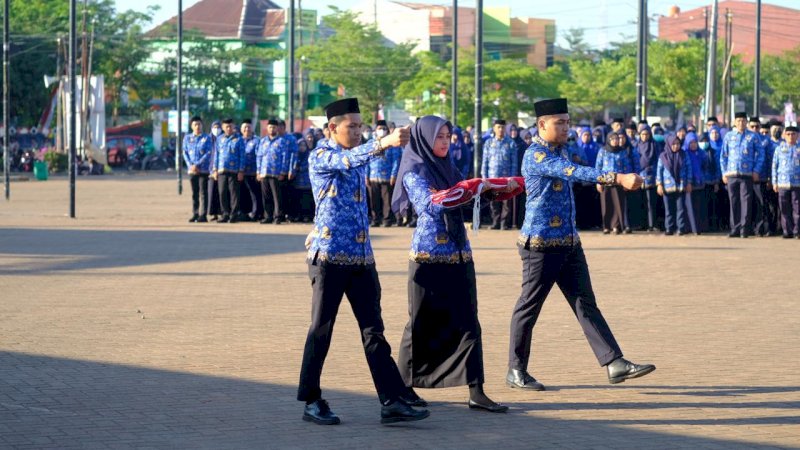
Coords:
pixel 216 131
pixel 366 135
pixel 776 134
pixel 658 138
pixel 380 133
pixel 703 145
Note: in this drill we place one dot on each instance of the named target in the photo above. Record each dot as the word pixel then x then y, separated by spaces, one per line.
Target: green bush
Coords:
pixel 57 162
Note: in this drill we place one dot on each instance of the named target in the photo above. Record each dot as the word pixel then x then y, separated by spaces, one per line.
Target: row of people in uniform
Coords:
pixel 707 202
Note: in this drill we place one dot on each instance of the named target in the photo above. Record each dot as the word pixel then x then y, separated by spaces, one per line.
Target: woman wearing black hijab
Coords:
pixel 441 345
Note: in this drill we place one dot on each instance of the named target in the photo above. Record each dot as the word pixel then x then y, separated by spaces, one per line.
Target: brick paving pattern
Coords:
pixel 130 328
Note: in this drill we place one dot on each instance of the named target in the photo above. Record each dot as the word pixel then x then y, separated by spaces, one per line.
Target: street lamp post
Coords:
pixel 179 126
pixel 478 153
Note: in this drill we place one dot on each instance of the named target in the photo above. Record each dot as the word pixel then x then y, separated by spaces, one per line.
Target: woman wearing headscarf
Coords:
pixel 673 178
pixel 587 202
pixel 648 151
pixel 718 207
pixel 613 201
pixel 441 344
pixel 696 199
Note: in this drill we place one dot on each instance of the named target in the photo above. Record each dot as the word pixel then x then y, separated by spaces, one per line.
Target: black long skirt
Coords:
pixel 441 344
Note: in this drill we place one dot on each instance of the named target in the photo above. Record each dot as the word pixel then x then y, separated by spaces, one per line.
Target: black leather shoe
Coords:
pixel 225 219
pixel 194 218
pixel 522 380
pixel 621 369
pixel 320 413
pixel 745 235
pixel 411 398
pixel 733 235
pixel 265 220
pixel 202 219
pixel 495 408
pixel 398 411
pixel 234 219
pixel 279 220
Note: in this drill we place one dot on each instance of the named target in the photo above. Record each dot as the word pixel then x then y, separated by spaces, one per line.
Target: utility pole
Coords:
pixel 711 78
pixel 757 77
pixel 179 100
pixel 59 104
pixel 454 88
pixel 73 151
pixel 640 61
pixel 726 80
pixel 290 108
pixel 478 153
pixel 6 103
pixel 645 51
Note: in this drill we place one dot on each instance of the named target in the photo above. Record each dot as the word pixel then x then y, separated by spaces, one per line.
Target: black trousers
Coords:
pixel 213 197
pixel 761 209
pixel 380 195
pixel 329 283
pixel 228 194
pixel 651 202
pixel 199 182
pixel 272 194
pixel 773 210
pixel 566 267
pixel 789 200
pixel 740 192
pixel 500 213
pixel 252 188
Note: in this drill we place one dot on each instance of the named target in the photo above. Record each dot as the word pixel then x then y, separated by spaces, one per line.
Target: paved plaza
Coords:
pixel 128 327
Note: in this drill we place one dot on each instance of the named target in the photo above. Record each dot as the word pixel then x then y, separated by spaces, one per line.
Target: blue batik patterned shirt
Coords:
pixel 741 154
pixel 341 224
pixel 499 158
pixel 229 155
pixel 550 205
pixel 431 242
pixel 272 157
pixel 385 168
pixel 786 166
pixel 197 151
pixel 249 159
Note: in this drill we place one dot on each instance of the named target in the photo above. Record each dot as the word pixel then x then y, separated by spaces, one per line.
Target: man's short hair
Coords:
pixel 196 119
pixel 227 120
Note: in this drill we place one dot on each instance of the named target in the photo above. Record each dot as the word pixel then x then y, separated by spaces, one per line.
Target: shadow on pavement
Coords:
pixel 68 250
pixel 48 402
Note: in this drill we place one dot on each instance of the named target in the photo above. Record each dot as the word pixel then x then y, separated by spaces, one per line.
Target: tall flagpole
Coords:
pixel 478 153
pixel 73 151
pixel 179 127
pixel 454 88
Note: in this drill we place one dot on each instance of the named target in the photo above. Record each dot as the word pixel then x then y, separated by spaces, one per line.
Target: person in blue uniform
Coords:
pixel 500 160
pixel 719 209
pixel 250 184
pixel 381 176
pixel 197 154
pixel 786 182
pixel 228 172
pixel 213 209
pixel 695 200
pixel 673 180
pixel 773 210
pixel 341 262
pixel 740 163
pixel 301 183
pixel 272 167
pixel 649 150
pixel 441 345
pixel 613 201
pixel 551 250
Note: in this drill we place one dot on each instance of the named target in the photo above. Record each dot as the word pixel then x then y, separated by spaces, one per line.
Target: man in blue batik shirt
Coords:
pixel 250 185
pixel 500 160
pixel 740 162
pixel 551 251
pixel 340 261
pixel 197 154
pixel 227 170
pixel 272 168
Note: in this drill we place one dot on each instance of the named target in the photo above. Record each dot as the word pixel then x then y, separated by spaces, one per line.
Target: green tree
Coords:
pixel 34 26
pixel 780 80
pixel 592 87
pixel 510 87
pixel 371 70
pixel 677 74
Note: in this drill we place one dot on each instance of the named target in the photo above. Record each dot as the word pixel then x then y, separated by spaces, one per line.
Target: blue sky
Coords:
pixel 604 21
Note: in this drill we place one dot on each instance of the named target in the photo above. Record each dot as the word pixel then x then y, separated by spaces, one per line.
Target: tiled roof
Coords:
pixel 231 19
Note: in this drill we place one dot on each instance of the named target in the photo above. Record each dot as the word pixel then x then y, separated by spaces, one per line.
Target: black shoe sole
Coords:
pixel 638 374
pixel 385 420
pixel 516 386
pixel 335 421
pixel 491 409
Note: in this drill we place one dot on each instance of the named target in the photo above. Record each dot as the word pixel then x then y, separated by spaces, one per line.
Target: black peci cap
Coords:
pixel 381 123
pixel 342 107
pixel 273 121
pixel 227 120
pixel 247 121
pixel 740 115
pixel 550 107
pixel 791 128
